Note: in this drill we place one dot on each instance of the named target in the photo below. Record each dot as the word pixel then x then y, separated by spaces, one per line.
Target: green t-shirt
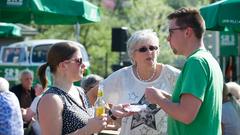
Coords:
pixel 201 77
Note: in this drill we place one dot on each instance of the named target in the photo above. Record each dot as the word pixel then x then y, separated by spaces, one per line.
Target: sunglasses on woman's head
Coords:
pixel 144 48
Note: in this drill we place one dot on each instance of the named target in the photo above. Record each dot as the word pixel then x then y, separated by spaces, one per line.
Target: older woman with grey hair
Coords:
pixel 127 85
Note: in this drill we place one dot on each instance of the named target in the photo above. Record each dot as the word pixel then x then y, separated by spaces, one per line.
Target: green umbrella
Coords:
pixel 48 11
pixel 221 15
pixel 9 30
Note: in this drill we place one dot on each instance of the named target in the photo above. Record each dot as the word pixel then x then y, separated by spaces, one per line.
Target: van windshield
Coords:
pixel 39 53
pixel 14 55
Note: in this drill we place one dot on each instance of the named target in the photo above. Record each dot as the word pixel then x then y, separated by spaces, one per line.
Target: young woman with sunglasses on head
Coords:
pixel 64 108
pixel 128 84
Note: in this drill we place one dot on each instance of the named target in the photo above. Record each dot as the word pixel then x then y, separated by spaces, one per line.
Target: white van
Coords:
pixel 30 55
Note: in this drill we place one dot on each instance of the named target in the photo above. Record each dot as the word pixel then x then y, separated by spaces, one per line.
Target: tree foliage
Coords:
pixel 134 14
pixel 176 4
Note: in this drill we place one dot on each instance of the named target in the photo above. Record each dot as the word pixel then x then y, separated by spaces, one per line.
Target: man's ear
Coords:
pixel 189 32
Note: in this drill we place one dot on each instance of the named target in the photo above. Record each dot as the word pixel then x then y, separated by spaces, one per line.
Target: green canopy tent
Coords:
pixel 49 12
pixel 221 15
pixel 224 16
pixel 9 30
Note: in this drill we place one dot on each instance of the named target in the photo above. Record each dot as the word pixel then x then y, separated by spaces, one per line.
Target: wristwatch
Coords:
pixel 111 115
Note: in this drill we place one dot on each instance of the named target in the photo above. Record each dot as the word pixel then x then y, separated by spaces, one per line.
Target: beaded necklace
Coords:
pixel 149 79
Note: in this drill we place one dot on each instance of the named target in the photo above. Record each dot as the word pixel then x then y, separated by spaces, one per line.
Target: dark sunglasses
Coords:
pixel 76 60
pixel 144 48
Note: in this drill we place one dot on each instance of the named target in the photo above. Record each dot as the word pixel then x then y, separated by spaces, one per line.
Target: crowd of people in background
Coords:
pixel 191 101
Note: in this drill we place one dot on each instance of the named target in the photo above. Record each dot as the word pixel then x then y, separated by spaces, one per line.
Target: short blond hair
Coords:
pixel 139 38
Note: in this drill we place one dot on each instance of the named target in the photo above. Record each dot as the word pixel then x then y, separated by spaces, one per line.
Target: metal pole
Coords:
pixel 77 32
pixel 106 64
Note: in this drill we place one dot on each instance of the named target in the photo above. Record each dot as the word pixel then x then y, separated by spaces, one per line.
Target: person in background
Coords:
pixel 128 84
pixel 234 89
pixel 195 105
pixel 9 55
pixel 10 113
pixel 31 111
pixel 64 108
pixel 24 92
pixel 230 110
pixel 90 84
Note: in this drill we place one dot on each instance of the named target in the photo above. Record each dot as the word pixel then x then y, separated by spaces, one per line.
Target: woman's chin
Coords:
pixel 78 78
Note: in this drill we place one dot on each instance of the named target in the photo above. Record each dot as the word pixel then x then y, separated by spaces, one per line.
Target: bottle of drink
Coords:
pixel 99 104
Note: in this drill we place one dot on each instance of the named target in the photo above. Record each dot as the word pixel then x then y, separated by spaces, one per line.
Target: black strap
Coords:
pixel 111 115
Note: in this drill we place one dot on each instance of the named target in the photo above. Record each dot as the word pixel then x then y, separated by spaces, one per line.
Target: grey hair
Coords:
pixel 234 89
pixel 25 72
pixel 4 85
pixel 90 80
pixel 139 38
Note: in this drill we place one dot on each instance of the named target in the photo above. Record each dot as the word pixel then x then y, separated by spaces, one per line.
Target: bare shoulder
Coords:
pixel 50 110
pixel 50 101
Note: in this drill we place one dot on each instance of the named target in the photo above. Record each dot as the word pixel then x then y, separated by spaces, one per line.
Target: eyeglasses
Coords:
pixel 144 48
pixel 170 30
pixel 76 60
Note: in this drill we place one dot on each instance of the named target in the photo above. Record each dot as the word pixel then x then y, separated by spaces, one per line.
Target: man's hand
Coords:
pixel 153 95
pixel 119 112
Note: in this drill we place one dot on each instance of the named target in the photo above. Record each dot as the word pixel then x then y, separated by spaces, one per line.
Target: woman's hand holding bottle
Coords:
pixel 97 124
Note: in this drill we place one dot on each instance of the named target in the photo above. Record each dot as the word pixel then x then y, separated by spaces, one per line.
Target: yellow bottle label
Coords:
pixel 100 111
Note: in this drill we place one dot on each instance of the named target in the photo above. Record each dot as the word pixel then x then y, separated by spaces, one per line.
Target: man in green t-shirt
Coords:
pixel 195 105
